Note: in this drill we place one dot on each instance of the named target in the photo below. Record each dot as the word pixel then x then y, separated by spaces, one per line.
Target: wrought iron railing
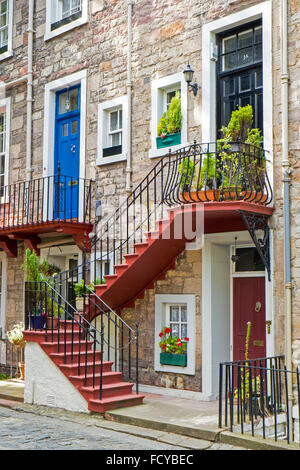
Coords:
pixel 261 397
pixel 95 327
pixel 46 200
pixel 10 358
pixel 198 173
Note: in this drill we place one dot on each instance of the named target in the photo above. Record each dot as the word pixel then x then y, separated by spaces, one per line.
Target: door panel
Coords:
pixel 67 154
pixel 249 305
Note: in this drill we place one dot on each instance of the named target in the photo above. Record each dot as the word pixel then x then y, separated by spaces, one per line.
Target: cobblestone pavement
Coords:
pixel 21 430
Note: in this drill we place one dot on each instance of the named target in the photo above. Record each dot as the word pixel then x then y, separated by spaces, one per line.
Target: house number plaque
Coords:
pixel 258 342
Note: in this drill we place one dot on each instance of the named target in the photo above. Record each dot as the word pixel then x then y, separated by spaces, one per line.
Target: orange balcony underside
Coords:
pixel 30 234
pixel 226 216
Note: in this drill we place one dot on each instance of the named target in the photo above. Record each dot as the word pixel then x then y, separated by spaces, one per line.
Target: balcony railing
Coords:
pixel 45 200
pixel 202 173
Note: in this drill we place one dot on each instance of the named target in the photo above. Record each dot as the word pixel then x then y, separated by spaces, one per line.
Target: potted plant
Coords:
pixel 169 127
pixel 173 350
pixel 241 153
pixel 36 273
pixel 15 337
pixel 80 290
pixel 203 188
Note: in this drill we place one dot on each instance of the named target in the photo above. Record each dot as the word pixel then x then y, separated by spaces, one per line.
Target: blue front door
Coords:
pixel 66 157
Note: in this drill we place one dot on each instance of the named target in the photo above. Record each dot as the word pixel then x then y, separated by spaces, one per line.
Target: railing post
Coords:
pixel 220 393
pixel 137 357
pixel 101 366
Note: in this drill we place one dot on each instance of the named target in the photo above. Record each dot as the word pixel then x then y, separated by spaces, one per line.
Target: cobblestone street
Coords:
pixel 21 430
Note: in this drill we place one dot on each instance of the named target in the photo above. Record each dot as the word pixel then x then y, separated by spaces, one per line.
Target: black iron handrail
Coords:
pixel 254 393
pixel 48 299
pixel 45 200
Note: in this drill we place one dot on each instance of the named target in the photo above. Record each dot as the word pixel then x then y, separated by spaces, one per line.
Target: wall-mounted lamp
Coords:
pixel 188 76
pixel 235 257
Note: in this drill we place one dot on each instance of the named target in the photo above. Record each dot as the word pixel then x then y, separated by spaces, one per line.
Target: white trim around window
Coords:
pixel 104 110
pixel 159 88
pixel 9 51
pixel 5 108
pixel 161 303
pixel 209 32
pixel 52 15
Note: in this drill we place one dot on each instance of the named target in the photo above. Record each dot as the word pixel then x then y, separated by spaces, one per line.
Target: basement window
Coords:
pixel 63 15
pixel 178 312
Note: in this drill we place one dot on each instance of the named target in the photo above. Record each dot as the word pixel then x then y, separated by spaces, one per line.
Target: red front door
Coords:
pixel 249 305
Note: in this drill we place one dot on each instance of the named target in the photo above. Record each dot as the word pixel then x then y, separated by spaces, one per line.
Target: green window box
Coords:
pixel 171 359
pixel 169 140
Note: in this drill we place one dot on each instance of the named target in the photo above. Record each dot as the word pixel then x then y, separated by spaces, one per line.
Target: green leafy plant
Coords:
pixel 239 124
pixel 186 171
pixel 31 267
pixel 172 345
pixel 80 288
pixel 171 121
pixel 244 390
pixel 15 335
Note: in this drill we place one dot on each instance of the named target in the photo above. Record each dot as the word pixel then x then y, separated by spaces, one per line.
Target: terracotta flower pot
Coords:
pixel 22 370
pixel 52 323
pixel 201 196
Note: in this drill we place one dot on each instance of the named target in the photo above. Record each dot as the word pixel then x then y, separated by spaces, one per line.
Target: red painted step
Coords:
pixel 149 263
pixel 115 393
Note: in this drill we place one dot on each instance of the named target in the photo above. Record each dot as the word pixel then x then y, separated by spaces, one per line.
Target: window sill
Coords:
pixel 6 55
pixel 112 159
pixel 65 28
pixel 154 152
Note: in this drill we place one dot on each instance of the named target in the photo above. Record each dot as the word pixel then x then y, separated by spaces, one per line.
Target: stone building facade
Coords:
pixel 90 49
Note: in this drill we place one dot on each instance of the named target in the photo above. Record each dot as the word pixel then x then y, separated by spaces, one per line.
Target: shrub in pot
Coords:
pixel 169 127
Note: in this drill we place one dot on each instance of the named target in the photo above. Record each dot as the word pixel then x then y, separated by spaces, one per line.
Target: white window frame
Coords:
pixel 210 31
pixel 159 89
pixel 5 103
pixel 52 15
pixel 9 51
pixel 104 110
pixel 161 303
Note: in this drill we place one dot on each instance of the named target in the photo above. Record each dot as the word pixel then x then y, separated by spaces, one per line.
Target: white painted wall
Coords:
pixel 46 385
pixel 220 279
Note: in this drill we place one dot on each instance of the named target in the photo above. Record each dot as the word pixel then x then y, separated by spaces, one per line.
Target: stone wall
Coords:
pixel 15 288
pixel 184 279
pixel 166 35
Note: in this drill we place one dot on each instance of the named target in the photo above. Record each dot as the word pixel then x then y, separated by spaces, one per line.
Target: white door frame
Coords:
pixel 49 126
pixel 207 314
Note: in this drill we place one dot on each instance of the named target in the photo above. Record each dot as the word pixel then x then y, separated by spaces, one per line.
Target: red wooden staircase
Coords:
pixel 73 348
pixel 150 261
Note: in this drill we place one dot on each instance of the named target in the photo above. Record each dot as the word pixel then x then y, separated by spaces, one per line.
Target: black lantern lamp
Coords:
pixel 188 76
pixel 235 257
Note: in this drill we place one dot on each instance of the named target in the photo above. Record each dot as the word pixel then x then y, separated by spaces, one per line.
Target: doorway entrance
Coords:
pixel 249 306
pixel 67 153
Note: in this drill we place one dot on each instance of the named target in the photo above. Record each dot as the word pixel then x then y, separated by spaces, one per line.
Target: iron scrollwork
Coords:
pixel 254 224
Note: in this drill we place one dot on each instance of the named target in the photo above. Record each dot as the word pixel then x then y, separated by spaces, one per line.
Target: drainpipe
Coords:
pixel 29 90
pixel 286 185
pixel 129 97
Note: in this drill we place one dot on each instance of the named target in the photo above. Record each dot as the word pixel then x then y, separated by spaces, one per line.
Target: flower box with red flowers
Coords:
pixel 173 349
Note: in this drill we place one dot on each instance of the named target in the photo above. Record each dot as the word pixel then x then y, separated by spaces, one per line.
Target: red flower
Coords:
pixel 43 314
pixel 160 334
pixel 167 331
pixel 186 339
pixel 179 344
